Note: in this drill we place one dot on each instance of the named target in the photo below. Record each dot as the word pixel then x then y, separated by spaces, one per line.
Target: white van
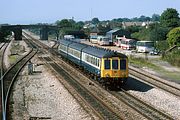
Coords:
pixel 103 40
pixel 69 37
pixel 144 46
pixel 93 39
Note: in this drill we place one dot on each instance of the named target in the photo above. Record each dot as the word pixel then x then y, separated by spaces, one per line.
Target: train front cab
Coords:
pixel 114 70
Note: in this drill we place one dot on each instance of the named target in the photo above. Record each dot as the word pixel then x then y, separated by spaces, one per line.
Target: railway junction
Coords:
pixel 42 85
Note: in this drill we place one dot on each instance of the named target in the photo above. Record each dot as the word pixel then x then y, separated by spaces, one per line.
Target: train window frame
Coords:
pixel 98 62
pixel 117 65
pixel 63 48
pixel 105 64
pixel 123 67
pixel 74 52
pixel 92 60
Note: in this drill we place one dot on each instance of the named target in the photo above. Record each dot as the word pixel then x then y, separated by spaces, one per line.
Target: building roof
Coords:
pixel 113 31
pixel 95 30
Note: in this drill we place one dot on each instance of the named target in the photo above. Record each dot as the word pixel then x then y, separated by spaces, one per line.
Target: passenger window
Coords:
pixel 123 64
pixel 107 64
pixel 115 64
pixel 98 63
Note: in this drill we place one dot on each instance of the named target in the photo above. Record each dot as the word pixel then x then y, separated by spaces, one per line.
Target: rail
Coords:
pixel 156 81
pixel 5 45
pixel 140 106
pixel 9 77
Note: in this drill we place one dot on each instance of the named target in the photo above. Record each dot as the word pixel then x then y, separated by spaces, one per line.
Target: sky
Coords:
pixel 49 11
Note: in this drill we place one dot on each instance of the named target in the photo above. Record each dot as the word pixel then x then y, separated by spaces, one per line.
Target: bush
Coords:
pixel 162 45
pixel 173 58
pixel 141 62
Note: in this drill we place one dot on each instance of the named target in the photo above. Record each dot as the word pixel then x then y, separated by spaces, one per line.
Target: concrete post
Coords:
pixel 44 33
pixel 18 33
pixel 57 35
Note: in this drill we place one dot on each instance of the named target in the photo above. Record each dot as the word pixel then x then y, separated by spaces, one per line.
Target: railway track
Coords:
pixel 155 81
pixel 142 108
pixel 98 105
pixel 2 70
pixel 1 45
pixel 9 78
pixel 2 50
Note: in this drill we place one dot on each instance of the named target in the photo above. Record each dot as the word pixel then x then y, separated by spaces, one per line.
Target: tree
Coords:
pixel 133 29
pixel 64 23
pixel 79 25
pixel 95 21
pixel 103 29
pixel 173 37
pixel 155 17
pixel 158 33
pixel 114 24
pixel 144 18
pixel 143 34
pixel 170 18
pixel 4 34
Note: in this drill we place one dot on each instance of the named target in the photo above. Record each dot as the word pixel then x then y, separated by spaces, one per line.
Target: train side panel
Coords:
pixel 63 47
pixel 74 55
pixel 91 63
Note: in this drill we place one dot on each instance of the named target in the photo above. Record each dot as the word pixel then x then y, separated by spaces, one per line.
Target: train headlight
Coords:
pixel 123 74
pixel 107 75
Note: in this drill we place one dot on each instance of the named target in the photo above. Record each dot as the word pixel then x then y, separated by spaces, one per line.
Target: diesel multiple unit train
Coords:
pixel 109 67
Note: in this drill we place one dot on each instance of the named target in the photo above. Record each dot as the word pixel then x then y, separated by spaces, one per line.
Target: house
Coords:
pixel 143 24
pixel 112 34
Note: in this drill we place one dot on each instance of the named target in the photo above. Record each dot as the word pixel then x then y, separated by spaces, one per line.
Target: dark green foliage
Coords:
pixel 144 18
pixel 158 33
pixel 162 45
pixel 4 34
pixel 143 34
pixel 155 17
pixel 95 21
pixel 170 18
pixel 103 29
pixel 68 25
pixel 114 24
pixel 174 37
pixel 65 23
pixel 133 29
pixel 173 57
pixel 117 20
pixel 153 33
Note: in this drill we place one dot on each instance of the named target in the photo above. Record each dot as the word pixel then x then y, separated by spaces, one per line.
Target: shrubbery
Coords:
pixel 162 45
pixel 173 58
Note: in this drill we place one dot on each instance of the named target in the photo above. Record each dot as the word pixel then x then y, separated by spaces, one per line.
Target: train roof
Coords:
pixel 100 52
pixel 92 50
pixel 78 46
pixel 65 42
